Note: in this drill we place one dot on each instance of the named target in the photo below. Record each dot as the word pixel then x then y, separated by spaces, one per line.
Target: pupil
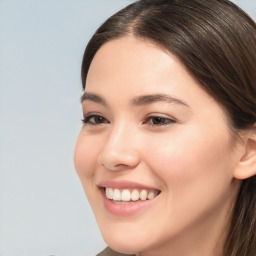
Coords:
pixel 158 120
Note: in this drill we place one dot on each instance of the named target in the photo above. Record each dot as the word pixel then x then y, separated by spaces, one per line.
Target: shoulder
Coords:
pixel 109 252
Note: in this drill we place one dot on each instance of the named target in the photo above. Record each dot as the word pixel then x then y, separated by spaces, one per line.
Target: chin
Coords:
pixel 123 243
pixel 125 247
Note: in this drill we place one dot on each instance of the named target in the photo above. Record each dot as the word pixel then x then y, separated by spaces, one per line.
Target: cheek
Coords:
pixel 85 157
pixel 191 161
pixel 196 177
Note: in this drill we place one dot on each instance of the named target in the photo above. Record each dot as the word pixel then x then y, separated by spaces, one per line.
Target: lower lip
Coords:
pixel 126 209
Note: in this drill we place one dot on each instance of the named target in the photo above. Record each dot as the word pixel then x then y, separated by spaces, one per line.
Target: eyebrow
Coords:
pixel 93 97
pixel 137 101
pixel 152 98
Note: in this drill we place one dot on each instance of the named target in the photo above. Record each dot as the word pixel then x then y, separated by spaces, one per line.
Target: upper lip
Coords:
pixel 122 184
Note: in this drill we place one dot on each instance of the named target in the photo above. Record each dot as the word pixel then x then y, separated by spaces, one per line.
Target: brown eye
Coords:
pixel 158 121
pixel 94 120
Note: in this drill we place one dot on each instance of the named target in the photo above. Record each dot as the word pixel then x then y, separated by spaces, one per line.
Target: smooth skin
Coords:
pixel 181 146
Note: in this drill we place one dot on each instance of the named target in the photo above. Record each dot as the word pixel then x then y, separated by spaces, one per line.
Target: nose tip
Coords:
pixel 120 150
pixel 115 158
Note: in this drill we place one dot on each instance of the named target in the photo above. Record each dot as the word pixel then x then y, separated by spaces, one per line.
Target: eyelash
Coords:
pixel 159 121
pixel 98 119
pixel 94 119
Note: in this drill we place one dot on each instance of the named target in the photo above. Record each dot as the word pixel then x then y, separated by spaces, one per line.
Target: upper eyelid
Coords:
pixel 151 115
pixel 164 116
pixel 92 113
pixel 161 117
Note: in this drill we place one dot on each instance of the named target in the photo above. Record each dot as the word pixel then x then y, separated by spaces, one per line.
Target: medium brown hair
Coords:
pixel 216 42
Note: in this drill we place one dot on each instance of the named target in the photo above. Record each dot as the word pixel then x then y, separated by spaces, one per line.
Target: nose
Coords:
pixel 120 151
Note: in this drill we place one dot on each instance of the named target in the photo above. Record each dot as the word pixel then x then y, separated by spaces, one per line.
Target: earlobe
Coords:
pixel 246 167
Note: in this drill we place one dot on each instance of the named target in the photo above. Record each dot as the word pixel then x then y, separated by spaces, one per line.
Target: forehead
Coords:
pixel 129 61
pixel 128 65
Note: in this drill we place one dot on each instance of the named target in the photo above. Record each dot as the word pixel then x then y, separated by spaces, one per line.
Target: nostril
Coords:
pixel 116 161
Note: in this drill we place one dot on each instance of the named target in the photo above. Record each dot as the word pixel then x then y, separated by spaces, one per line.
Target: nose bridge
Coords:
pixel 120 133
pixel 120 149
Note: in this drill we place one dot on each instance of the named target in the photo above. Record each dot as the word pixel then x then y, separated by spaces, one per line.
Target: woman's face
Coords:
pixel 159 147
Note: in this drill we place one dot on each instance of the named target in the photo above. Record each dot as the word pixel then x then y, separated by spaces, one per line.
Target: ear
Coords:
pixel 246 167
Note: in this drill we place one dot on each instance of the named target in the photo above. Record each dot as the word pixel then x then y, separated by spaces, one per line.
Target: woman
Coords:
pixel 167 152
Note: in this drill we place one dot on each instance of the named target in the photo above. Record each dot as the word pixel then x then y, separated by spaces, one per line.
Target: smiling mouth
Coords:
pixel 123 196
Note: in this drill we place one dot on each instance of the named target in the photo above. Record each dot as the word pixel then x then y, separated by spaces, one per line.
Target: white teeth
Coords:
pixel 109 193
pixel 143 194
pixel 135 195
pixel 117 195
pixel 151 195
pixel 127 195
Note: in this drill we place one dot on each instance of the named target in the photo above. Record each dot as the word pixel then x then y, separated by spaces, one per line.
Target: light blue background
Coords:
pixel 43 210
